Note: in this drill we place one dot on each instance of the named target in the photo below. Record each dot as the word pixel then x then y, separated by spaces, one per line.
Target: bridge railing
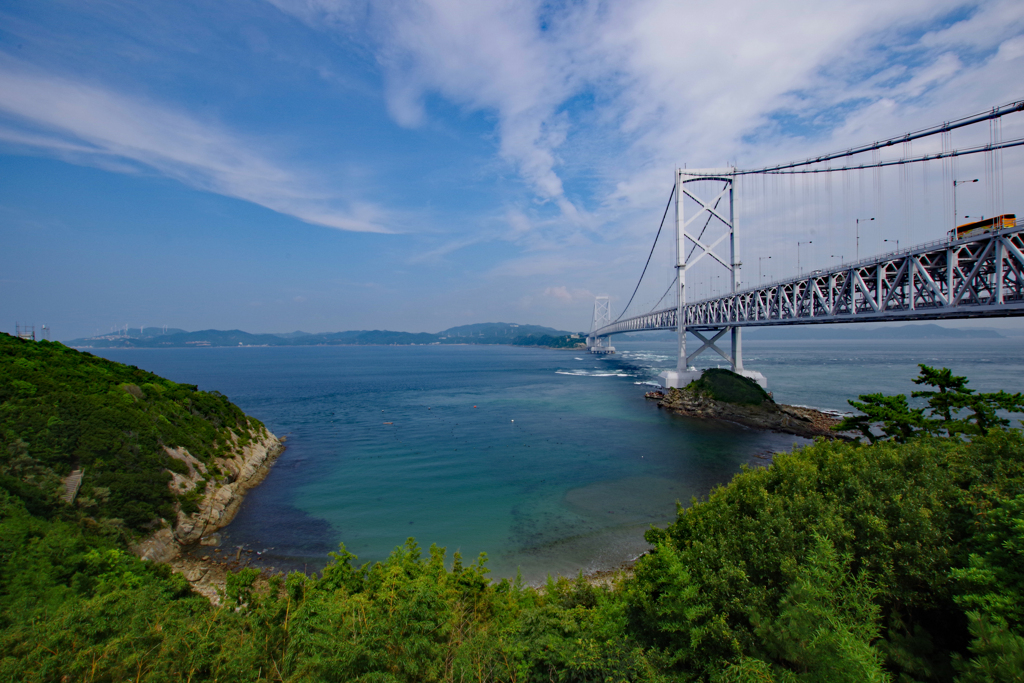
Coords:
pixel 848 265
pixel 977 276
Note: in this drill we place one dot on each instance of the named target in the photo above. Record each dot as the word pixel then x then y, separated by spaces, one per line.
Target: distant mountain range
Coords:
pixel 481 333
pixel 497 333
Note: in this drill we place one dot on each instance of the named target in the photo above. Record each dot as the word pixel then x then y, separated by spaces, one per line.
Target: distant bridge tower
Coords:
pixel 693 243
pixel 602 317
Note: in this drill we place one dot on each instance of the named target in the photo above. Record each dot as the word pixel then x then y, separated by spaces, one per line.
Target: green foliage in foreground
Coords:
pixel 841 562
pixel 893 562
pixel 726 385
pixel 61 410
pixel 891 417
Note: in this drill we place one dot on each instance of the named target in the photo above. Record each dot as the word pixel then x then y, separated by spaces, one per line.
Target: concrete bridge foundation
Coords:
pixel 675 379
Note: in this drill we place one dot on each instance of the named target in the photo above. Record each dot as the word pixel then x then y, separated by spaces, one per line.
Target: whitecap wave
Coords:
pixel 590 373
pixel 651 356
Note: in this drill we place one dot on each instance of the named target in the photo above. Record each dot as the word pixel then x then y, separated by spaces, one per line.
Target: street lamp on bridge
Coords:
pixel 759 260
pixel 857 257
pixel 955 183
pixel 896 241
pixel 798 269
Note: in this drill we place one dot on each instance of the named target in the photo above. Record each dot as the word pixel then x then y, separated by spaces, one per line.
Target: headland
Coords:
pixel 721 394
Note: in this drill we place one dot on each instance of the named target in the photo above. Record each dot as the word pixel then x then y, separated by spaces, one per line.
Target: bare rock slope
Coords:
pixel 220 493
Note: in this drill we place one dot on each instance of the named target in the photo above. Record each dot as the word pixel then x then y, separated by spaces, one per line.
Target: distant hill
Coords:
pixel 500 330
pixel 500 333
pixel 481 333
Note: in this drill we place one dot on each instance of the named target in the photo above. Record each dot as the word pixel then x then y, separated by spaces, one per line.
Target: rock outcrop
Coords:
pixel 696 401
pixel 222 491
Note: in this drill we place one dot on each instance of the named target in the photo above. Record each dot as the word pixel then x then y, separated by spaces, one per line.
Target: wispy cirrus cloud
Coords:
pixel 89 124
pixel 636 88
pixel 490 57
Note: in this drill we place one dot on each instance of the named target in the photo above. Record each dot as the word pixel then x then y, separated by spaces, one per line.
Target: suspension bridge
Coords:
pixel 973 267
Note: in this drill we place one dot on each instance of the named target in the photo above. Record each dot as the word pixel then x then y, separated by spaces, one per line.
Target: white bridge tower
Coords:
pixel 692 246
pixel 602 317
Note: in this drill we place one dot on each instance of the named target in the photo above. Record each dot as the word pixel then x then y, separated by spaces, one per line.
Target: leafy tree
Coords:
pixel 892 415
pixel 896 420
pixel 991 590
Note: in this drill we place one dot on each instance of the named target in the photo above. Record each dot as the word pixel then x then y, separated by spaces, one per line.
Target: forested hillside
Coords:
pixel 62 410
pixel 897 561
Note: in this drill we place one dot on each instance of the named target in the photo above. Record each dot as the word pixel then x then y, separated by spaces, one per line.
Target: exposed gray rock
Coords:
pixel 246 468
pixel 805 422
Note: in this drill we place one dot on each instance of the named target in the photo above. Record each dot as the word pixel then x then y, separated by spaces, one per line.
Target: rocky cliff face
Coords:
pixel 805 422
pixel 220 493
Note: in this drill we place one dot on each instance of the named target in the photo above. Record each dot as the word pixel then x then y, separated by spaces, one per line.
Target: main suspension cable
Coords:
pixel 1017 142
pixel 663 217
pixel 994 113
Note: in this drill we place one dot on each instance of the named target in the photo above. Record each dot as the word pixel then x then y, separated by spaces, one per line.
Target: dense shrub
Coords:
pixel 853 541
pixel 62 410
pixel 726 385
pixel 899 561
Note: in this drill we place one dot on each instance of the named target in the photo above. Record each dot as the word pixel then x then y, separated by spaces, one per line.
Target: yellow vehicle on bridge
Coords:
pixel 1007 220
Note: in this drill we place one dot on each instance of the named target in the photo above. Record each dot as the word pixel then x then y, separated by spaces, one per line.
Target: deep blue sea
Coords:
pixel 550 461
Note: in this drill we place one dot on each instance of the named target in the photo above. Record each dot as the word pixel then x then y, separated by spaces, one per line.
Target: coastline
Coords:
pixel 801 421
pixel 247 466
pixel 208 575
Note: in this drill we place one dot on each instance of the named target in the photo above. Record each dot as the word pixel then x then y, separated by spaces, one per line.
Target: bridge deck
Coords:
pixel 974 277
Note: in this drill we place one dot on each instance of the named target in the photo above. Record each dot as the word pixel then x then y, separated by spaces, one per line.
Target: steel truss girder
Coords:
pixel 975 277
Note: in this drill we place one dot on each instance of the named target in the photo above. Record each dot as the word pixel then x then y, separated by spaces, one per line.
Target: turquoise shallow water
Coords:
pixel 549 461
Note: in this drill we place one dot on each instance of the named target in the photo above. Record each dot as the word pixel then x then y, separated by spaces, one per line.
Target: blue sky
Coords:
pixel 324 165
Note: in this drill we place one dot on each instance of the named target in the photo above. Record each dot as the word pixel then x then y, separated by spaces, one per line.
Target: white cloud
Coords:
pixel 593 103
pixel 564 294
pixel 990 23
pixel 676 82
pixel 560 293
pixel 1011 49
pixel 92 125
pixel 486 56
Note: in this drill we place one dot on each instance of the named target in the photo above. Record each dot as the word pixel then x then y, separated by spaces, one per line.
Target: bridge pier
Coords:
pixel 691 248
pixel 600 345
pixel 677 379
pixel 686 373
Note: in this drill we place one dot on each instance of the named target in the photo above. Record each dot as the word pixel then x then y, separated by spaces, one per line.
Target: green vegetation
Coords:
pixel 891 417
pixel 62 410
pixel 900 560
pixel 566 341
pixel 726 385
